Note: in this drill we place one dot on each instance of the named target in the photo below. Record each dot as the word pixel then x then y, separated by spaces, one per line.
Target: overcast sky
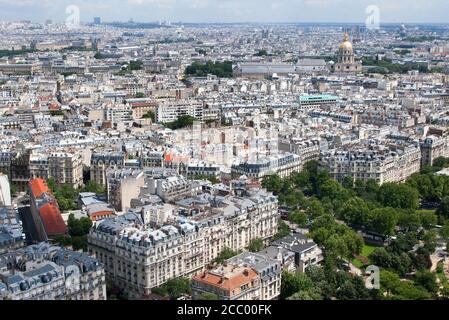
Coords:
pixel 406 11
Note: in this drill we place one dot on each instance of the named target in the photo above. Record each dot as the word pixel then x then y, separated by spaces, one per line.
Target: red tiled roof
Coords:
pixel 38 187
pixel 52 220
pixel 236 281
pixel 108 213
pixel 54 106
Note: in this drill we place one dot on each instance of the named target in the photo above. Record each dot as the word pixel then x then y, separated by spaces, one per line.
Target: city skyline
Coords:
pixel 229 11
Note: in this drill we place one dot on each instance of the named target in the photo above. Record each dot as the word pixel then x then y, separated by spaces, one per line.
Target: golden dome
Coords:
pixel 346 44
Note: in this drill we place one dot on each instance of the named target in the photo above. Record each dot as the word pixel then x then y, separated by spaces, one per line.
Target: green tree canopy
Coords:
pixel 256 245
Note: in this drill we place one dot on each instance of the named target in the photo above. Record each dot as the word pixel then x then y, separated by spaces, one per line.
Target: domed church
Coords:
pixel 346 58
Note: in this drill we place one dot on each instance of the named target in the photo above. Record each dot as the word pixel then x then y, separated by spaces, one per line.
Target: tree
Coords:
pixel 331 189
pixel 355 212
pixel 207 296
pixel 398 196
pixel 404 242
pixel 225 255
pixel 292 199
pixel 98 55
pixel 256 245
pixel 51 183
pixel 135 65
pixel 63 240
pixel 427 280
pixel 212 179
pixel 75 227
pixel 381 258
pixel 283 230
pixel 178 287
pixel 160 291
pixel 441 162
pixel 315 209
pixel 300 218
pixel 430 240
pixel 79 243
pixel 13 189
pixel 409 221
pixel 150 115
pixel 443 209
pixel 444 231
pixel 293 283
pixel 181 122
pixel 261 53
pixel 348 182
pixel 86 224
pixel 219 69
pixel 139 95
pixel 421 260
pixel 354 242
pixel 371 190
pixel 272 183
pixel 383 221
pixel 400 290
pixel 347 291
pixel 94 187
pixel 308 294
pixel 336 246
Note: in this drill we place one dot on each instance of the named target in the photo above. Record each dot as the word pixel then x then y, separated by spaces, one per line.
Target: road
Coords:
pixel 354 270
pixel 28 225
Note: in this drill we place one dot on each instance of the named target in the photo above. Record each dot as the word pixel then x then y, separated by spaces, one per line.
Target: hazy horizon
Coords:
pixel 230 11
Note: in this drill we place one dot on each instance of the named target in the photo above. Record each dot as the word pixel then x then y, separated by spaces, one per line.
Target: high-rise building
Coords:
pixel 97 20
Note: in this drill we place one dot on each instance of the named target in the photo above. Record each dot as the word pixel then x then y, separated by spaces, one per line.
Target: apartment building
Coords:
pixel 122 186
pixel 228 282
pixel 118 113
pixel 387 163
pixel 101 161
pixel 281 164
pixel 20 68
pixel 336 116
pixel 139 258
pixel 63 167
pixel 12 236
pixel 308 150
pixel 47 272
pixel 385 116
pixel 434 147
pixel 66 168
pixel 268 269
pixel 199 168
pixel 172 188
pixel 152 159
pixel 306 251
pixel 169 111
pixel 45 212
